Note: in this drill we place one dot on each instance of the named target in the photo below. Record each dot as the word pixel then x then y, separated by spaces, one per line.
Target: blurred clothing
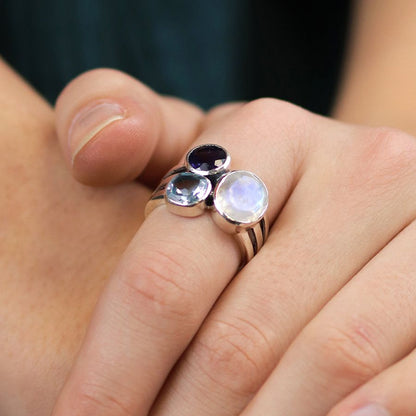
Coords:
pixel 207 52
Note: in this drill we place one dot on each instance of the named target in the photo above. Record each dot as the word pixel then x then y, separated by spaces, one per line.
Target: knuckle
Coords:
pixel 274 108
pixel 294 124
pixel 162 283
pixel 264 103
pixel 220 111
pixel 92 398
pixel 392 153
pixel 265 116
pixel 382 162
pixel 349 354
pixel 235 354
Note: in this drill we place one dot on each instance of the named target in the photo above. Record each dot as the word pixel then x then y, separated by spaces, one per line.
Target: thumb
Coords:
pixel 112 128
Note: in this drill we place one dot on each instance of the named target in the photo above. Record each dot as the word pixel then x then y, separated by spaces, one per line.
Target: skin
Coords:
pixel 49 281
pixel 378 86
pixel 60 240
pixel 327 214
pixel 332 352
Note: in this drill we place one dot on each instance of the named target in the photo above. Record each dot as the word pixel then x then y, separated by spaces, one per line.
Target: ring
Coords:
pixel 237 199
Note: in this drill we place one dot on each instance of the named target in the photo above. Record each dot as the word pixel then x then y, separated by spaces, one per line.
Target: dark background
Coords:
pixel 204 51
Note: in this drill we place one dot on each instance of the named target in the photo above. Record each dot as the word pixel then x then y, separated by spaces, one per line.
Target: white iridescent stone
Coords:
pixel 187 189
pixel 241 197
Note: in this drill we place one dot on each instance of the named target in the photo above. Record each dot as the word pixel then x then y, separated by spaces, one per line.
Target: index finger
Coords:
pixel 174 270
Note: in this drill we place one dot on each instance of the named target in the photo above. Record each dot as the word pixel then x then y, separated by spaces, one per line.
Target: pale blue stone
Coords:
pixel 241 197
pixel 187 189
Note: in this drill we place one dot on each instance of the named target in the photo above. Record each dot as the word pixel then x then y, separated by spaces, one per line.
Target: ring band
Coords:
pixel 238 199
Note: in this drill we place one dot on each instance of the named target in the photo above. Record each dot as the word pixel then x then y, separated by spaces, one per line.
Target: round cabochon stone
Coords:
pixel 241 197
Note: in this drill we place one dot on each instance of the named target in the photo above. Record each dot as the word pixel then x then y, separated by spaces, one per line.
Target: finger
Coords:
pixel 247 128
pixel 171 275
pixel 367 327
pixel 112 128
pixel 391 393
pixel 328 230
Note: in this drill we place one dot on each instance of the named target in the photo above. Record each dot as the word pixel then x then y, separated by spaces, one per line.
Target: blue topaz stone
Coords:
pixel 188 189
pixel 207 159
pixel 241 197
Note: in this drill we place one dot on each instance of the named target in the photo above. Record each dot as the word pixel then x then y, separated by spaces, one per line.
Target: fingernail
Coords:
pixel 89 122
pixel 371 410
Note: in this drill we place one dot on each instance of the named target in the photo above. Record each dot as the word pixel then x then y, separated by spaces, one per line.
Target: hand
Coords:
pixel 313 316
pixel 60 240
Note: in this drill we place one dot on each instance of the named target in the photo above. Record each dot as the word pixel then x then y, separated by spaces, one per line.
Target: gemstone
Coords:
pixel 187 189
pixel 206 158
pixel 241 197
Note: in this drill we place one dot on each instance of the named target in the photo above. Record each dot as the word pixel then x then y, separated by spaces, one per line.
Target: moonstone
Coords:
pixel 241 197
pixel 187 189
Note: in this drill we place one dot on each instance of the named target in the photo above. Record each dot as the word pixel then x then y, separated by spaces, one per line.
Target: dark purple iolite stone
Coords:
pixel 207 157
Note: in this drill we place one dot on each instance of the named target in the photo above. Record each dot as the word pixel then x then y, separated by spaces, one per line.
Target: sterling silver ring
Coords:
pixel 237 199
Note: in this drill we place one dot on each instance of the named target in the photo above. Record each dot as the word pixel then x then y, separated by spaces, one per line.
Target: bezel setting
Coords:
pixel 192 202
